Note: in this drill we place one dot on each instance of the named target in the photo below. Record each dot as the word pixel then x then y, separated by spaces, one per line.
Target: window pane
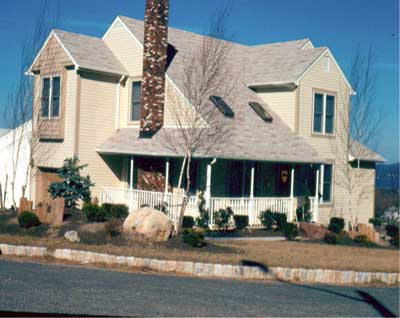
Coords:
pixel 45 97
pixel 327 183
pixel 330 114
pixel 318 109
pixel 136 100
pixel 55 106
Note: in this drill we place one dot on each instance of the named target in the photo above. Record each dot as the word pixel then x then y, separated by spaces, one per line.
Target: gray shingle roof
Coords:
pixel 90 53
pixel 251 138
pixel 363 153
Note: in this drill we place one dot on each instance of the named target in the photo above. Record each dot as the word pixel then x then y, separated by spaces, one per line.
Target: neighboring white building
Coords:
pixel 8 154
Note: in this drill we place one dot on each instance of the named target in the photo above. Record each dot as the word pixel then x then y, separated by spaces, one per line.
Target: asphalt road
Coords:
pixel 39 288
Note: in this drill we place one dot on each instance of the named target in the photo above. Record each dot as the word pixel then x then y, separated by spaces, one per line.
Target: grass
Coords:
pixel 282 253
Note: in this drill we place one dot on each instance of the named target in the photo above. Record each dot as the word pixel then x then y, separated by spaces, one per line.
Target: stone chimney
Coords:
pixel 154 66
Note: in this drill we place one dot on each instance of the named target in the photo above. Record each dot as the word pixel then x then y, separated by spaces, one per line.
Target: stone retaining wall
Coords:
pixel 302 275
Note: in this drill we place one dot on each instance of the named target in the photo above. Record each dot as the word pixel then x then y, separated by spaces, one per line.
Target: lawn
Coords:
pixel 304 254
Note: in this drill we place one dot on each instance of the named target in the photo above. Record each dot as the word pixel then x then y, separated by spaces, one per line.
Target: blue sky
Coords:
pixel 339 24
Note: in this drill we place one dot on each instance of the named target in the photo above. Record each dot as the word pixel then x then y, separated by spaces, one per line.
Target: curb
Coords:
pixel 318 276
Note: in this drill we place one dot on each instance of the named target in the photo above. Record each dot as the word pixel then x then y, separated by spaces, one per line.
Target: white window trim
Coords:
pixel 323 128
pixel 321 184
pixel 51 98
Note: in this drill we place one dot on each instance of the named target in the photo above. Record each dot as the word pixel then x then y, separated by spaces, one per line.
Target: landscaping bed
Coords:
pixel 305 254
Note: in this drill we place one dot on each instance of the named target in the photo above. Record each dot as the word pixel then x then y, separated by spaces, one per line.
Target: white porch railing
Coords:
pixel 241 206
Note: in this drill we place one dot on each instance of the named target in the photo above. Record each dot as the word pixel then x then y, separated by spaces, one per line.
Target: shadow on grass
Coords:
pixel 365 297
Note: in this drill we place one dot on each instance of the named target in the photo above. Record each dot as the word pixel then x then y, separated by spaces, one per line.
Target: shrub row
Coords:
pixel 273 219
pixel 107 211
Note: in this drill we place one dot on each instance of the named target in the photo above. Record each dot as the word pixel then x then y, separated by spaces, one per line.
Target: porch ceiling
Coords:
pixel 255 147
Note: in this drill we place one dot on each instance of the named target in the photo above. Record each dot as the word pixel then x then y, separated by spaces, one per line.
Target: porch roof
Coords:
pixel 262 145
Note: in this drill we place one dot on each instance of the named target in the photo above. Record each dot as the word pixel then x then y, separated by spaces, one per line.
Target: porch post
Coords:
pixel 315 207
pixel 131 173
pixel 291 194
pixel 166 180
pixel 251 207
pixel 166 175
pixel 208 187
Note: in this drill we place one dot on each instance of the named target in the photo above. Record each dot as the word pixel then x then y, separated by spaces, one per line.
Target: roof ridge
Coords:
pixel 280 42
pixel 74 33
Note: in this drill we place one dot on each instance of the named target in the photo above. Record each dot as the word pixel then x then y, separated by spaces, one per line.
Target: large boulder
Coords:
pixel 147 223
pixel 313 231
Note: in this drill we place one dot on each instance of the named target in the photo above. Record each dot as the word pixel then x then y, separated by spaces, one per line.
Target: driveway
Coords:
pixel 29 288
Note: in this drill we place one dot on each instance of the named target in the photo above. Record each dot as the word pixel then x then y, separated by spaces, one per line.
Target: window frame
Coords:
pixel 50 97
pixel 322 183
pixel 130 111
pixel 324 93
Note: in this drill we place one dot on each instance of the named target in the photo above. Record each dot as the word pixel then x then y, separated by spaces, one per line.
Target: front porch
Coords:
pixel 248 188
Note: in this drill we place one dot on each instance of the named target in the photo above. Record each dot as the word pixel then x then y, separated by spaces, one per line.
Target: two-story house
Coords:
pixel 98 96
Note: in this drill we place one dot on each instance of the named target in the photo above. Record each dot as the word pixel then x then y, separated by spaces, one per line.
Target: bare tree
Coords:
pixel 360 127
pixel 200 125
pixel 23 101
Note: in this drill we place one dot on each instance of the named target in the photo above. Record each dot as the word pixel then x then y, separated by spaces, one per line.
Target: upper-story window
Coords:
pixel 324 113
pixel 136 100
pixel 51 97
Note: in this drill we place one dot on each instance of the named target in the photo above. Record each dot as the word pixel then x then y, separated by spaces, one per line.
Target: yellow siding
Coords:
pixel 52 154
pixel 363 194
pixel 282 102
pixel 130 54
pixel 332 149
pixel 96 122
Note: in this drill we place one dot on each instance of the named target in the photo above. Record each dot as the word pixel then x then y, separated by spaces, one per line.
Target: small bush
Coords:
pixel 119 211
pixel 290 231
pixel 112 227
pixel 376 222
pixel 392 230
pixel 94 213
pixel 330 238
pixel 361 239
pixel 222 217
pixel 241 221
pixel 193 238
pixel 107 208
pixel 267 219
pixel 187 222
pixel 28 219
pixel 336 225
pixel 280 220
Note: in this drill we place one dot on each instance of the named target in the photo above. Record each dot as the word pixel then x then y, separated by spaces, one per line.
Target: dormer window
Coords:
pixel 50 107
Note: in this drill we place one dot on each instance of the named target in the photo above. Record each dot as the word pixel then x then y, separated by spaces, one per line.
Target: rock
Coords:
pixel 313 231
pixel 72 236
pixel 149 224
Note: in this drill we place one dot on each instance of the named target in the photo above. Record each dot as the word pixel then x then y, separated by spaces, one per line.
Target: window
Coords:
pixel 136 100
pixel 51 97
pixel 326 183
pixel 222 106
pixel 261 111
pixel 318 112
pixel 324 113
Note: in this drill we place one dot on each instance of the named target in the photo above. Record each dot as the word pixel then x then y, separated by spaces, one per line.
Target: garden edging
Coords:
pixel 320 276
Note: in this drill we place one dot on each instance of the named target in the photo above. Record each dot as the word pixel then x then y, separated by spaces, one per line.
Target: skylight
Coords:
pixel 260 110
pixel 222 106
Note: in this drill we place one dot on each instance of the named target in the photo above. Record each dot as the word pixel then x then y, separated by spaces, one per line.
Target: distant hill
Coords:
pixel 387 176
